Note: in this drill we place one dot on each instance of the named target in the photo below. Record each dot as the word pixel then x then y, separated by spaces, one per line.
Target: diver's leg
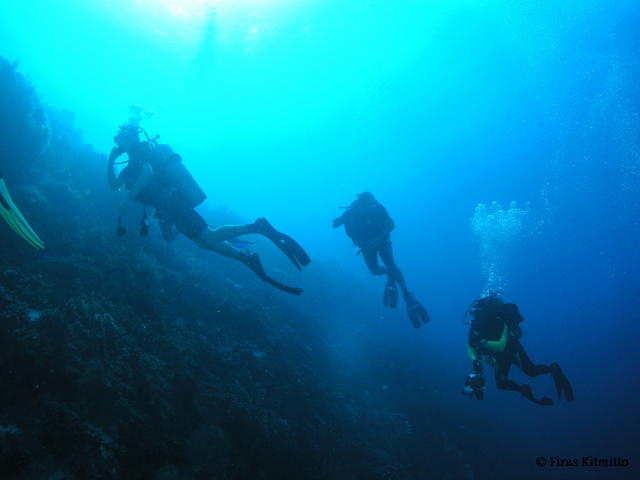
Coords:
pixel 386 254
pixel 524 363
pixel 251 260
pixel 503 383
pixel 563 386
pixel 417 313
pixel 501 373
pixel 371 259
pixel 208 240
pixel 191 224
pixel 211 236
pixel 226 249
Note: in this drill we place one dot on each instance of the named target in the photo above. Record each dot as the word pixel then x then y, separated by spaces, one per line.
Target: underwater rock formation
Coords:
pixel 121 359
pixel 22 120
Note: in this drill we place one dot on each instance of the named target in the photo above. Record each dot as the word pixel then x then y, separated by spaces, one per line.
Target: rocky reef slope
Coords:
pixel 127 358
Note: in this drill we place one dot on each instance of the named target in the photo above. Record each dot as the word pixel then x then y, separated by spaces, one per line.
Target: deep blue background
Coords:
pixel 287 110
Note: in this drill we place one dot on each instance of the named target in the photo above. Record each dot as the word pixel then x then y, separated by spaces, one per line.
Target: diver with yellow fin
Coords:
pixel 11 214
pixel 155 176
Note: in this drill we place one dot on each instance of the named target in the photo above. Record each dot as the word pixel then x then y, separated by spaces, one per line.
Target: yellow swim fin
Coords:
pixel 11 214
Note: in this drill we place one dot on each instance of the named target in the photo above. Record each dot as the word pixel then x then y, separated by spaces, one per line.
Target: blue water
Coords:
pixel 289 108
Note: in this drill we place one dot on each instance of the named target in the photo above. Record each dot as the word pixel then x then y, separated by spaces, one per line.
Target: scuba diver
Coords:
pixel 369 226
pixel 494 333
pixel 155 176
pixel 11 214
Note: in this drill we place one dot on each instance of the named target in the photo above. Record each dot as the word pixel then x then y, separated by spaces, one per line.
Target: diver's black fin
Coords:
pixel 544 401
pixel 568 390
pixel 296 249
pixel 285 243
pixel 288 245
pixel 253 262
pixel 557 378
pixel 417 313
pixel 283 287
pixel 562 383
pixel 528 394
pixel 390 298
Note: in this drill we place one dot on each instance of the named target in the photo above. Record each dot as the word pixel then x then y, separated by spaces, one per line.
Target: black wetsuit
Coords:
pixel 514 354
pixel 496 334
pixel 370 226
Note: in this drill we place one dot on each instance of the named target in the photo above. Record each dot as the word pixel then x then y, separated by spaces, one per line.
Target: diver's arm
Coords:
pixel 114 182
pixel 143 179
pixel 473 353
pixel 389 224
pixel 498 345
pixel 337 222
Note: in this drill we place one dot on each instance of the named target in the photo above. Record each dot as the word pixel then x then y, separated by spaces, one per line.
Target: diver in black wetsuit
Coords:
pixel 369 226
pixel 494 333
pixel 155 176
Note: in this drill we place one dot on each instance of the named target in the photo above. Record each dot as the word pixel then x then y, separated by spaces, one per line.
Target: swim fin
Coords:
pixel 562 383
pixel 288 245
pixel 417 313
pixel 252 260
pixel 390 298
pixel 528 394
pixel 11 214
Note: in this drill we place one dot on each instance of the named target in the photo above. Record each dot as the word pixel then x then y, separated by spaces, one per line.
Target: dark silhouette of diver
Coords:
pixel 494 334
pixel 369 226
pixel 155 176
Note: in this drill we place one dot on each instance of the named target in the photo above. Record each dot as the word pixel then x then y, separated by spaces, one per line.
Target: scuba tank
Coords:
pixel 169 171
pixel 172 173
